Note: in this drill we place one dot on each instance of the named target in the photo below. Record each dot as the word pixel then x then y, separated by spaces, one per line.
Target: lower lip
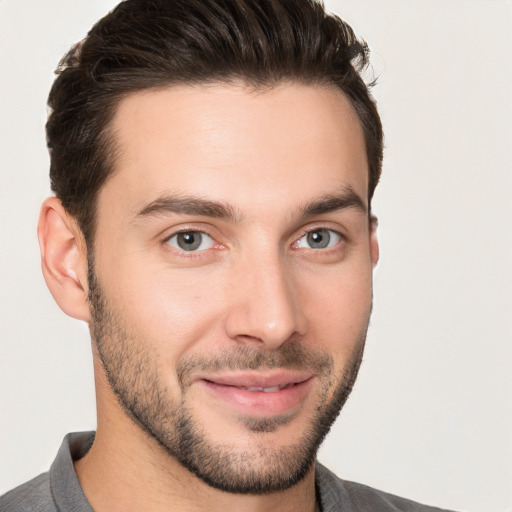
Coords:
pixel 260 403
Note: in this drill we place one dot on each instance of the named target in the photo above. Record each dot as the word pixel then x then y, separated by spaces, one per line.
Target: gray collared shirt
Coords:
pixel 59 490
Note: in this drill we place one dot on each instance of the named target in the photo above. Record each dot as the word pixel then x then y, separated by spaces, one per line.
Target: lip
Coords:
pixel 259 394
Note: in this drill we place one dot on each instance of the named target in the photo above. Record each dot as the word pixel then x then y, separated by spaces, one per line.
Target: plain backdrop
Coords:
pixel 431 414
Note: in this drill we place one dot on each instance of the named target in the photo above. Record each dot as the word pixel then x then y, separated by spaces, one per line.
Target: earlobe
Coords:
pixel 63 259
pixel 374 242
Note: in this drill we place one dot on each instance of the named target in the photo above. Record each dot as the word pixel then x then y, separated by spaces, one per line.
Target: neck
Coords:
pixel 120 476
pixel 127 470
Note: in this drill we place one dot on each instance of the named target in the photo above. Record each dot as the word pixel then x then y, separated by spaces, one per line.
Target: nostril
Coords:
pixel 248 339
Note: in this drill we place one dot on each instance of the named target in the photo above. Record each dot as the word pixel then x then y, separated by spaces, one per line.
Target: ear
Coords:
pixel 374 242
pixel 63 259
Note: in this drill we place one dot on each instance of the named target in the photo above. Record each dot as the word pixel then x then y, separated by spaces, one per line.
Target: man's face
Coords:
pixel 231 290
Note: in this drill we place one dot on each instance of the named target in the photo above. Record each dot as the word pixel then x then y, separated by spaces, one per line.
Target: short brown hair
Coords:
pixel 144 44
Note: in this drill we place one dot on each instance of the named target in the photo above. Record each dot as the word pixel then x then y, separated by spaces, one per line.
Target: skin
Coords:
pixel 255 284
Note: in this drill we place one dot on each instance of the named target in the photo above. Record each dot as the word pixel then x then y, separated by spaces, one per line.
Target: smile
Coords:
pixel 259 395
pixel 271 389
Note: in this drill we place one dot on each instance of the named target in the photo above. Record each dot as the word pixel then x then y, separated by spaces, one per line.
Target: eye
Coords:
pixel 191 241
pixel 319 239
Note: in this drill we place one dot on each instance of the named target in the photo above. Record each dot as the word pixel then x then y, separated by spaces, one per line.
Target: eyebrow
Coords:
pixel 190 205
pixel 328 203
pixel 193 205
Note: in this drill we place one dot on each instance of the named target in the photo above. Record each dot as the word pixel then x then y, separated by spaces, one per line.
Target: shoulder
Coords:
pixel 337 494
pixel 32 496
pixel 58 489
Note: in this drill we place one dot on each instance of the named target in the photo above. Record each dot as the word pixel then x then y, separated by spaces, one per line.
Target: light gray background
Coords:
pixel 431 415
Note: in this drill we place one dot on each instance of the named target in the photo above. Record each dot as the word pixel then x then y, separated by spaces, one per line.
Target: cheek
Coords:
pixel 171 310
pixel 338 308
pixel 344 290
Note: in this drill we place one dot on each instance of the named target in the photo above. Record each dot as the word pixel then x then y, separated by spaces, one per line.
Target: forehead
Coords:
pixel 237 145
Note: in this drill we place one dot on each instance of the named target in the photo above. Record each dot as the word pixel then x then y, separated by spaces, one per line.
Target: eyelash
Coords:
pixel 189 253
pixel 195 253
pixel 337 236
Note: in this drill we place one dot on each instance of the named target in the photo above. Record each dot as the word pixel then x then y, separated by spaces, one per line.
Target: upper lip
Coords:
pixel 255 379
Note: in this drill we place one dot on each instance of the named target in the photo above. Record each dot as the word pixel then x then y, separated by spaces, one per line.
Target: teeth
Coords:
pixel 271 389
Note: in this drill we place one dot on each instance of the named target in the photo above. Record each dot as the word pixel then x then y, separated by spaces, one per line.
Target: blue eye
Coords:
pixel 191 241
pixel 319 239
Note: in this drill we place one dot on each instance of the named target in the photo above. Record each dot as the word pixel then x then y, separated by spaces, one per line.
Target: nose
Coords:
pixel 265 304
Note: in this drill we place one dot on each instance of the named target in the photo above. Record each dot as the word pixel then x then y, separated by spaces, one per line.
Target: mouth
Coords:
pixel 259 395
pixel 270 389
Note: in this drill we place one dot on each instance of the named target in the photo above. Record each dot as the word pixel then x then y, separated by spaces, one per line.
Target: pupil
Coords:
pixel 189 241
pixel 319 239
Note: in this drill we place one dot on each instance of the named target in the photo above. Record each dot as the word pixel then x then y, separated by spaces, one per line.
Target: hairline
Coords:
pixel 111 146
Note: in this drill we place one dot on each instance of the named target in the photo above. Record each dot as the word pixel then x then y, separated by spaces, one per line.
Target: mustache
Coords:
pixel 292 356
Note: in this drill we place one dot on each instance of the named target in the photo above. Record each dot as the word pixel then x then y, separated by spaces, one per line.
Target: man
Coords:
pixel 213 164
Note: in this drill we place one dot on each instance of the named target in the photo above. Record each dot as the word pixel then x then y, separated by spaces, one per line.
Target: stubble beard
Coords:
pixel 133 375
